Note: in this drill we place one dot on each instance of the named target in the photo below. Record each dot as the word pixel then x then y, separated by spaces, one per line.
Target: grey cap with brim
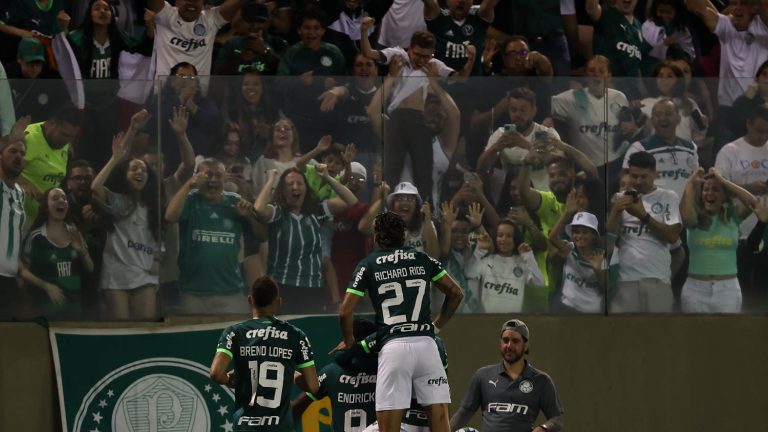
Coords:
pixel 518 326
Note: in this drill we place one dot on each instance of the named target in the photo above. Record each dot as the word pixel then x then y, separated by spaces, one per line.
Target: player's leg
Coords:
pixel 430 384
pixel 438 418
pixel 390 420
pixel 394 379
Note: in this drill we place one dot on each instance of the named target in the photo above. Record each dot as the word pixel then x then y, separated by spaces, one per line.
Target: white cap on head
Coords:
pixel 584 219
pixel 359 169
pixel 403 188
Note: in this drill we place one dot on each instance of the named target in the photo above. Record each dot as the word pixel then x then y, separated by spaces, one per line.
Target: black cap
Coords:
pixel 253 11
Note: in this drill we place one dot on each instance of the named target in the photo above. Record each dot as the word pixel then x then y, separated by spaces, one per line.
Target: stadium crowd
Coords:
pixel 555 156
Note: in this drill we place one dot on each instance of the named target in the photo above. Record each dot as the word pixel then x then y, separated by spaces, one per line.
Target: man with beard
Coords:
pixel 186 33
pixel 676 158
pixel 211 224
pixel 512 393
pixel 49 145
pixel 511 145
pixel 91 222
pixel 645 221
pixel 12 158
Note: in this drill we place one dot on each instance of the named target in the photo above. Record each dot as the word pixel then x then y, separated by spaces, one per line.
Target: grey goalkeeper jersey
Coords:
pixel 510 405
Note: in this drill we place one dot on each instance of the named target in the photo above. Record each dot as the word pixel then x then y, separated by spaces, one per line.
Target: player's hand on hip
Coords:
pixel 342 346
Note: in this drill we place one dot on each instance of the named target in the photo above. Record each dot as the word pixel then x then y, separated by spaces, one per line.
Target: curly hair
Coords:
pixel 150 196
pixel 389 228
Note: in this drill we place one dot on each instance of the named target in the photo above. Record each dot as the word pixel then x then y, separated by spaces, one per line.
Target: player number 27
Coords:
pixel 398 299
pixel 260 377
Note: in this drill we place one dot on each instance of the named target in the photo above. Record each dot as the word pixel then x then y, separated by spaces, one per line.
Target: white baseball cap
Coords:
pixel 584 219
pixel 403 188
pixel 359 169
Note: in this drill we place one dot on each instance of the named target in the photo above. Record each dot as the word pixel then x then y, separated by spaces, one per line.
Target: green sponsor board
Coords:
pixel 157 379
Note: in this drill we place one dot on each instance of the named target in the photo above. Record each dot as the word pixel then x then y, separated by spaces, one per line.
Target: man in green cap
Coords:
pixel 31 96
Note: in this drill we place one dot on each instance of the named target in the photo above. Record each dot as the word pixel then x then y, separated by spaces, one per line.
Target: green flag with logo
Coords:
pixel 157 379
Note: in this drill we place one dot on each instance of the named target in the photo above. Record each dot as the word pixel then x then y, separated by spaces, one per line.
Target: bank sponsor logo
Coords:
pixel 395 257
pixel 267 333
pixel 359 379
pixel 154 395
pixel 188 44
pixel 437 381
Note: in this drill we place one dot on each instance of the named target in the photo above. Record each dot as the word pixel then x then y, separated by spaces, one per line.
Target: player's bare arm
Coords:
pixel 453 297
pixel 219 367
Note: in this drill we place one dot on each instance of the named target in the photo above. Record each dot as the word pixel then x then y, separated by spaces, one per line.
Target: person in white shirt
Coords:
pixel 743 42
pixel 522 109
pixel 581 116
pixel 743 36
pixel 644 221
pixel 405 132
pixel 745 162
pixel 676 157
pixel 186 32
pixel 581 260
pixel 13 150
pixel 503 274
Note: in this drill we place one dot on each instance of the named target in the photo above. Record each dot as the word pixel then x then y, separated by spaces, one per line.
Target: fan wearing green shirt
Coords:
pixel 211 225
pixel 56 258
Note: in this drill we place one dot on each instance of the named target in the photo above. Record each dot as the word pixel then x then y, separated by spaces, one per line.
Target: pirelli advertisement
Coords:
pixel 157 379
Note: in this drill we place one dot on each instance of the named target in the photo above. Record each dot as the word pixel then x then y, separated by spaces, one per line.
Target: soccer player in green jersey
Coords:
pixel 397 279
pixel 350 383
pixel 266 352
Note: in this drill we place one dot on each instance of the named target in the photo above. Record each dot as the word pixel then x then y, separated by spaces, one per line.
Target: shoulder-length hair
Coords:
pixel 310 205
pixel 517 236
pixel 150 196
pixel 270 151
pixel 43 212
pixel 116 43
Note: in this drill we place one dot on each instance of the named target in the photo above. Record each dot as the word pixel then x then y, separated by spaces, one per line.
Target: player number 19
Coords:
pixel 398 299
pixel 260 377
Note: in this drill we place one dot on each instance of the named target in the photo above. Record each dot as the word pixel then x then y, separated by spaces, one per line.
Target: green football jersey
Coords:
pixel 60 266
pixel 398 281
pixel 352 390
pixel 209 240
pixel 265 352
pixel 46 167
pixel 621 41
pixel 452 39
